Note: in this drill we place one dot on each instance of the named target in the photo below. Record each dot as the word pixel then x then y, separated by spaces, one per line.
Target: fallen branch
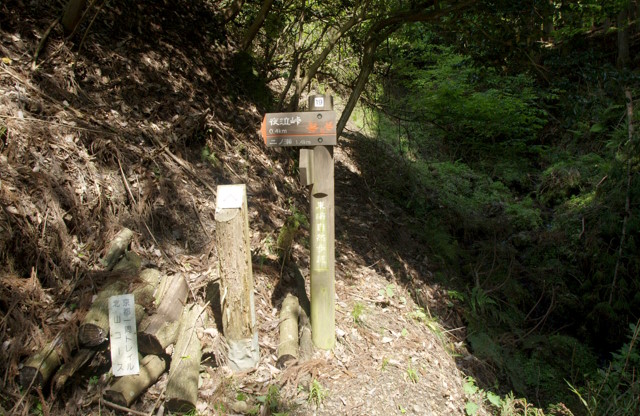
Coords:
pixel 117 247
pixel 122 408
pixel 45 36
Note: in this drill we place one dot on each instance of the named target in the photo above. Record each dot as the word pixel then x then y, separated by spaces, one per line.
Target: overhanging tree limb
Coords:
pixel 257 24
pixel 380 31
pixel 357 17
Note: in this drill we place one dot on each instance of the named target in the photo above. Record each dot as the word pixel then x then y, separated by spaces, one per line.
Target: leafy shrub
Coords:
pixel 615 391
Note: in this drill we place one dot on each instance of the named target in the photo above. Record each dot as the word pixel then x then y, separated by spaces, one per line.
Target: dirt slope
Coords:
pixel 135 127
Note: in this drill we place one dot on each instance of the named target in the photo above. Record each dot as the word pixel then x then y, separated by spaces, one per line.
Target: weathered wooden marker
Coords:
pixel 315 128
pixel 236 283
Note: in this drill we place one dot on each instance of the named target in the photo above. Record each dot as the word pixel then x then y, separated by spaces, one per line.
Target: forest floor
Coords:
pixel 135 127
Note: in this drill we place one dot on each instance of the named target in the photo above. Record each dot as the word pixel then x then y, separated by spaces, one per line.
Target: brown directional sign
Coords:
pixel 310 128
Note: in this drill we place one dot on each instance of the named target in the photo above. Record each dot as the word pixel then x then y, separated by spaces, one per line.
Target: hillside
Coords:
pixel 133 122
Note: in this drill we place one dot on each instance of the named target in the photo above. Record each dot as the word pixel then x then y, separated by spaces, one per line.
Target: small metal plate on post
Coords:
pixel 313 128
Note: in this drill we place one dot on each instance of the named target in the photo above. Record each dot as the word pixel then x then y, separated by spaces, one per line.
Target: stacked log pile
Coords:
pixel 164 319
pixel 159 305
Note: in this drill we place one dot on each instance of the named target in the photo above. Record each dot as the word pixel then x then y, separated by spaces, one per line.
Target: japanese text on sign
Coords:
pixel 321 238
pixel 122 329
pixel 299 129
pixel 285 121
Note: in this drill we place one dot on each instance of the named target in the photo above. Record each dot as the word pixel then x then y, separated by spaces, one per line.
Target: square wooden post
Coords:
pixel 323 322
pixel 236 277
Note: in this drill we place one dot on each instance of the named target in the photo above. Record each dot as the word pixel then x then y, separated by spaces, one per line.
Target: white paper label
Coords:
pixel 319 101
pixel 230 196
pixel 122 334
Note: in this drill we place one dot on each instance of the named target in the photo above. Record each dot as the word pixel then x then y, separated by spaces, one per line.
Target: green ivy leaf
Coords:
pixel 469 387
pixel 494 399
pixel 471 408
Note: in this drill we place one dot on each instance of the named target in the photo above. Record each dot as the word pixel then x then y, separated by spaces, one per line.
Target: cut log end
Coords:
pixel 29 375
pixel 283 360
pixel 179 405
pixel 149 344
pixel 92 335
pixel 116 397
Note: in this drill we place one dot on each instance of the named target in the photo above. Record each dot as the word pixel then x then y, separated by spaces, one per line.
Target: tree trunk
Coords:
pixel 547 25
pixel 368 60
pixel 627 205
pixel 288 346
pixel 256 25
pixel 285 91
pixel 182 387
pixel 378 33
pixel 623 37
pixel 159 330
pixel 126 389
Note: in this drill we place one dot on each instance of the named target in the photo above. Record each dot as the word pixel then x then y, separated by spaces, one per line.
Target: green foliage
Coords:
pixel 472 104
pixel 271 401
pixel 412 374
pixel 317 393
pixel 571 177
pixel 290 230
pixel 207 155
pixel 507 405
pixel 356 313
pixel 615 391
pixel 387 292
pixel 385 363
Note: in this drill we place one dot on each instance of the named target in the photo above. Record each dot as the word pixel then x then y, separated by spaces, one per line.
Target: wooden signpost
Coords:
pixel 315 128
pixel 236 283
